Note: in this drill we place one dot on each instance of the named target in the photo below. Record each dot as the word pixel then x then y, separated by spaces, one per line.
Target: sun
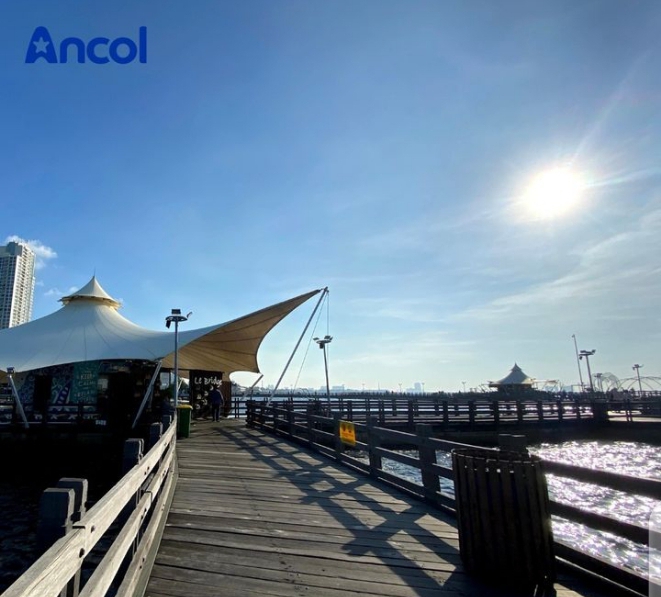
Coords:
pixel 553 193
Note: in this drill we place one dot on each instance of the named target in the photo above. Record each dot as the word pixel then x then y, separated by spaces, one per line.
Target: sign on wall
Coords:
pixel 85 383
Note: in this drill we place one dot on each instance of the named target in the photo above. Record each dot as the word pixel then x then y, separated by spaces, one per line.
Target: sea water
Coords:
pixel 629 458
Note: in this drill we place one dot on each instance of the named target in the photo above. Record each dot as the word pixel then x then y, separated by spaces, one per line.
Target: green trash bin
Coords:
pixel 184 413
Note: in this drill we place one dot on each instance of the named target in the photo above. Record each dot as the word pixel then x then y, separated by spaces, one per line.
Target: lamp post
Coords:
pixel 636 368
pixel 177 318
pixel 578 362
pixel 322 344
pixel 587 354
pixel 463 383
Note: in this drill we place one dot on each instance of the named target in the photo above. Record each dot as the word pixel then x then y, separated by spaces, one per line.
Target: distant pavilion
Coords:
pixel 516 381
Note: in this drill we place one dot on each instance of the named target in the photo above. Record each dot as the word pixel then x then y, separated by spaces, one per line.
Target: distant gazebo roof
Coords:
pixel 515 378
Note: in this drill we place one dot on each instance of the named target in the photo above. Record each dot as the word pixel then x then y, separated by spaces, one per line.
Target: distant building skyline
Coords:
pixel 17 264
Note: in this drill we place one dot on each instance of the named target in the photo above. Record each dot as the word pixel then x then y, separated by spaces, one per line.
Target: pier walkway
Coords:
pixel 254 514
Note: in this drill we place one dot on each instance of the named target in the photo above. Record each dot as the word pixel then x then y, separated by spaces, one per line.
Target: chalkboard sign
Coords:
pixel 200 386
pixel 85 380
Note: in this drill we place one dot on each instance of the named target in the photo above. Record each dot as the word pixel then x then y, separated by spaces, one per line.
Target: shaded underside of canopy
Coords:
pixel 89 328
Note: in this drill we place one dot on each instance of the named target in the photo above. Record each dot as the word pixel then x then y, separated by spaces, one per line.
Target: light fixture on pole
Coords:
pixel 587 354
pixel 177 318
pixel 322 344
pixel 636 368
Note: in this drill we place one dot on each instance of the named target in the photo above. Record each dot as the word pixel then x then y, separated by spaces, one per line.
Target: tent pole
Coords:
pixel 324 292
pixel 148 392
pixel 19 406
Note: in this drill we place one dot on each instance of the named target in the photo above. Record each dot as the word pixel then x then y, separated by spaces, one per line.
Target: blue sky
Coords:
pixel 382 149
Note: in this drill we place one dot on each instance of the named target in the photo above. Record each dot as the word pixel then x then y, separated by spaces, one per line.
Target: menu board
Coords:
pixel 85 380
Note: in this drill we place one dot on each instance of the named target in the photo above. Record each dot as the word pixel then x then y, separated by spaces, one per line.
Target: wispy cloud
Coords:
pixel 611 278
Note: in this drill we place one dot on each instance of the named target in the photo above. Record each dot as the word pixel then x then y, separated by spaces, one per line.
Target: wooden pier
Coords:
pixel 255 514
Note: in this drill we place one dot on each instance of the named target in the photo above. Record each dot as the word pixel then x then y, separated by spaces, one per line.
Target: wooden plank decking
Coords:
pixel 256 515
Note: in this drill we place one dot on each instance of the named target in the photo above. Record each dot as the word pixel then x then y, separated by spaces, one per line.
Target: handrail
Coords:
pixel 51 573
pixel 305 427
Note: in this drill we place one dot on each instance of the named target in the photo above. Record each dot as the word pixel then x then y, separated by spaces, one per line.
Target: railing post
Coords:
pixel 155 432
pixel 337 442
pixel 411 415
pixel 56 509
pixel 540 411
pixel 55 512
pixel 519 411
pixel 310 423
pixel 350 410
pixel 132 455
pixel 495 407
pixel 446 413
pixel 79 487
pixel 250 413
pixel 290 419
pixel 471 412
pixel 393 406
pixel 276 416
pixel 512 443
pixel 372 443
pixel 427 455
pixel 166 420
pixel 382 413
pixel 560 410
pixel 577 410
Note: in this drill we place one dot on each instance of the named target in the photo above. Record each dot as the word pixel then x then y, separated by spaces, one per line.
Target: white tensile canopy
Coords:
pixel 89 328
pixel 516 377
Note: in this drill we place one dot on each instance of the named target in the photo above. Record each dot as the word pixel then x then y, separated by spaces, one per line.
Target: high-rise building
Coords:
pixel 16 284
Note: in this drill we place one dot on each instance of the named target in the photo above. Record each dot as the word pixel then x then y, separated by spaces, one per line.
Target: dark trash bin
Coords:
pixel 504 518
pixel 184 414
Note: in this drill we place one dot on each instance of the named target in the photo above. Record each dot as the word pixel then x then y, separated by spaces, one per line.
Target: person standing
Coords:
pixel 216 399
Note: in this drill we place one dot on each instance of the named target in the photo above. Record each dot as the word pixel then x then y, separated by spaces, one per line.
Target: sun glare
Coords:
pixel 553 193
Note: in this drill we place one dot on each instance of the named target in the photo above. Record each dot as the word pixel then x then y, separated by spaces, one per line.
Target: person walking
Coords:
pixel 216 399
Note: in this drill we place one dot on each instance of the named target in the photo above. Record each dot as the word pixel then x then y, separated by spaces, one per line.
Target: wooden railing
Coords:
pixel 321 433
pixel 404 412
pixel 130 517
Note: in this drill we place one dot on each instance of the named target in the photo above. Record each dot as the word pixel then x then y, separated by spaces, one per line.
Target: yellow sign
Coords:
pixel 348 433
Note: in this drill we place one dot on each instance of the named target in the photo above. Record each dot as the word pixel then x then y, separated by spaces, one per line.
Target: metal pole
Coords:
pixel 587 360
pixel 578 362
pixel 640 385
pixel 176 364
pixel 305 329
pixel 327 384
pixel 19 406
pixel 147 393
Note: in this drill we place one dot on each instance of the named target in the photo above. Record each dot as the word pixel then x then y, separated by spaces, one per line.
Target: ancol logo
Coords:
pixel 99 50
